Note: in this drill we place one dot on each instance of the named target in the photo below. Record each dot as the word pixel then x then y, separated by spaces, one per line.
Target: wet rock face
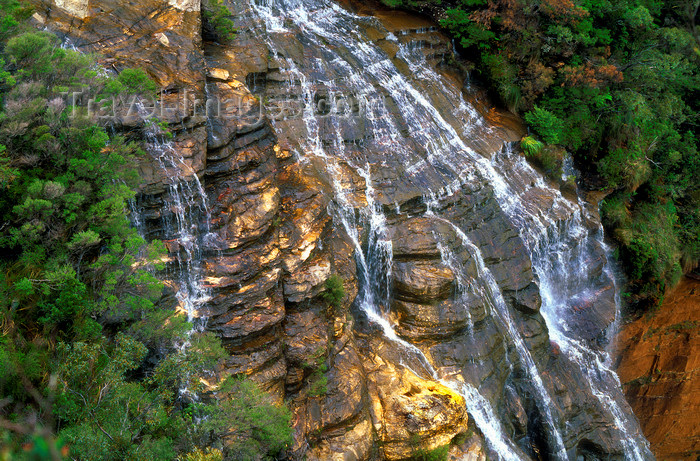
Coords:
pixel 276 237
pixel 420 281
pixel 428 302
pixel 428 305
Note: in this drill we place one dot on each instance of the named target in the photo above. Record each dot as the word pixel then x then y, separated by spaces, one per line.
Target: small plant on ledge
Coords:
pixel 334 292
pixel 318 382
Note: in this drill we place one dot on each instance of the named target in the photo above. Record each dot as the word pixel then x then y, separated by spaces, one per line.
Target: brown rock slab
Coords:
pixel 659 365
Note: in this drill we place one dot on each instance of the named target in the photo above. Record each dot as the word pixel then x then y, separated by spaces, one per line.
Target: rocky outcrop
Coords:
pixel 77 8
pixel 161 36
pixel 659 365
pixel 425 287
pixel 410 414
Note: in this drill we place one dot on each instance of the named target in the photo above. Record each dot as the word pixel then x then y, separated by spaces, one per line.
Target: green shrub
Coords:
pixel 318 382
pixel 650 250
pixel 639 17
pixel 13 15
pixel 217 20
pixel 642 258
pixel 437 454
pixel 469 33
pixel 131 82
pixel 625 169
pixel 260 427
pixel 317 379
pixel 334 292
pixel 531 146
pixel 546 125
pixel 503 74
pixel 136 81
pixel 615 213
pixel 33 52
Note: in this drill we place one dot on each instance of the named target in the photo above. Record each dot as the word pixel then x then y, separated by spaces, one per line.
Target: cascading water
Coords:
pixel 185 221
pixel 487 286
pixel 186 225
pixel 374 266
pixel 559 253
pixel 435 151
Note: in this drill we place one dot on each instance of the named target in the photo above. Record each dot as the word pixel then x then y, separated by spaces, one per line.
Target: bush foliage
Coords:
pixel 217 20
pixel 334 292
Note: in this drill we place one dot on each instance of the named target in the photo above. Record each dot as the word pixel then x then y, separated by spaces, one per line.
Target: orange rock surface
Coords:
pixel 659 366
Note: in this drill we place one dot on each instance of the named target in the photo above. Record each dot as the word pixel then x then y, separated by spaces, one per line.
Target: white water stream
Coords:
pixel 186 221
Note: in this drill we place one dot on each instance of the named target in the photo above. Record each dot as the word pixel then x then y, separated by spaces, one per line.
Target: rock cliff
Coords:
pixel 659 365
pixel 279 229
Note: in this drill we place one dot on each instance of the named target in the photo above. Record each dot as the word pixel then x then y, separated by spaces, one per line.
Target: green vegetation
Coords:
pixel 256 427
pixel 93 366
pixel 405 3
pixel 641 381
pixel 548 157
pixel 686 325
pixel 130 81
pixel 438 454
pixel 547 125
pixel 615 83
pixel 462 437
pixel 531 146
pixel 334 292
pixel 318 382
pixel 217 20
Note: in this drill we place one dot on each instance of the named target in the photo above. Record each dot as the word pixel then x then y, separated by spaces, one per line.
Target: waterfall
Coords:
pixel 559 260
pixel 559 253
pixel 186 221
pixel 436 152
pixel 487 286
pixel 185 208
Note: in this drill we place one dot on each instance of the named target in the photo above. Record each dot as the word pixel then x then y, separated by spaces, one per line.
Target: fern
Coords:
pixel 531 146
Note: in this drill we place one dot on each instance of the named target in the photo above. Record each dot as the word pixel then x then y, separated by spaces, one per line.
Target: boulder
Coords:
pixel 412 415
